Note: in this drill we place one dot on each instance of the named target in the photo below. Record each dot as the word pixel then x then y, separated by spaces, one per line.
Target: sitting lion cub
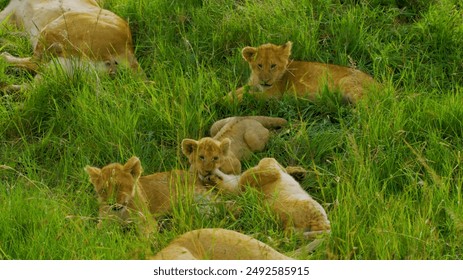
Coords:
pixel 295 207
pixel 234 139
pixel 217 244
pixel 273 73
pixel 123 193
pixel 208 154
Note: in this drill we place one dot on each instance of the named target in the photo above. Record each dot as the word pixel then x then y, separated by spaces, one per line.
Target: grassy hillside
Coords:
pixel 387 171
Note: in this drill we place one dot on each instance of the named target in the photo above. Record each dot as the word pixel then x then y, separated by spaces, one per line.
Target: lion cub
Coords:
pixel 124 194
pixel 273 73
pixel 208 154
pixel 295 207
pixel 217 244
pixel 247 134
pixel 233 139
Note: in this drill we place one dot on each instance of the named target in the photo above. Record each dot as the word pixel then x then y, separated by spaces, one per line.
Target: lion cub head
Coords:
pixel 116 186
pixel 206 154
pixel 268 64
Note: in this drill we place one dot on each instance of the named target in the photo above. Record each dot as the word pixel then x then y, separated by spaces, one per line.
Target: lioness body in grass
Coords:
pixel 217 244
pixel 69 29
pixel 124 194
pixel 273 74
pixel 293 205
pixel 247 134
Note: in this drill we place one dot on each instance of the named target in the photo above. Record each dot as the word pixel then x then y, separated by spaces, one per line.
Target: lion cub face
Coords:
pixel 206 154
pixel 268 64
pixel 115 185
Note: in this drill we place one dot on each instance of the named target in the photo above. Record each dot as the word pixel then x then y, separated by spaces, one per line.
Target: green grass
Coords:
pixel 389 170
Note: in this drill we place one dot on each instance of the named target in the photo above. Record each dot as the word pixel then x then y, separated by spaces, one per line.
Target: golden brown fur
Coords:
pixel 217 244
pixel 247 134
pixel 68 29
pixel 123 193
pixel 295 207
pixel 273 73
pixel 233 139
pixel 208 154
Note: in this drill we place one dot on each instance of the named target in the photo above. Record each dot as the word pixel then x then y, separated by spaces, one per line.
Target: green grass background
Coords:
pixel 387 171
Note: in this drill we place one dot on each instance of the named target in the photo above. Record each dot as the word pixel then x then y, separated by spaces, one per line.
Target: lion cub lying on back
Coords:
pixel 273 73
pixel 295 207
pixel 217 244
pixel 239 137
pixel 124 194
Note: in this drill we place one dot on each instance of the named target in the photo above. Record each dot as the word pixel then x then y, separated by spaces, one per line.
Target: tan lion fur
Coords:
pixel 247 134
pixel 233 139
pixel 123 193
pixel 295 207
pixel 68 29
pixel 217 244
pixel 273 73
pixel 207 154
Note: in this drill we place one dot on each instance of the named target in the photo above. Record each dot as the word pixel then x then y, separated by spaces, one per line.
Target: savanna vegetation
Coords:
pixel 387 170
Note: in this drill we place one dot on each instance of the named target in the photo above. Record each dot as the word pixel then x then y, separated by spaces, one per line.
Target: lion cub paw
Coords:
pixel 212 180
pixel 296 172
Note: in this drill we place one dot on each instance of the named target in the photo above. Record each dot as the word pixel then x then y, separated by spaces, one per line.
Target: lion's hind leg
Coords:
pixel 256 138
pixel 23 62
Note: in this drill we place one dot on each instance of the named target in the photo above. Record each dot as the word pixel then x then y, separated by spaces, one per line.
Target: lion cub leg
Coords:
pixel 224 182
pixel 257 176
pixel 354 85
pixel 23 62
pixel 256 138
pixel 297 172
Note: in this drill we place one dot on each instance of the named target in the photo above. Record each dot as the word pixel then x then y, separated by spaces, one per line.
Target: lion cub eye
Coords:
pixel 273 66
pixel 201 157
pixel 259 66
pixel 216 158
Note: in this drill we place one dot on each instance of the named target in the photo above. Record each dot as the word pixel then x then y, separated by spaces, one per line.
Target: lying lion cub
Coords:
pixel 234 139
pixel 71 28
pixel 273 73
pixel 217 244
pixel 124 194
pixel 247 134
pixel 295 207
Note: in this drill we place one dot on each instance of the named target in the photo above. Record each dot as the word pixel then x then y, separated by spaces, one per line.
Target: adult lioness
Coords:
pixel 217 244
pixel 123 193
pixel 295 207
pixel 273 73
pixel 69 29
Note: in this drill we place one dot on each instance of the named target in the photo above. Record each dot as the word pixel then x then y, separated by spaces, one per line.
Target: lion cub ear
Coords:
pixel 133 166
pixel 249 53
pixel 94 173
pixel 286 48
pixel 189 146
pixel 225 145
